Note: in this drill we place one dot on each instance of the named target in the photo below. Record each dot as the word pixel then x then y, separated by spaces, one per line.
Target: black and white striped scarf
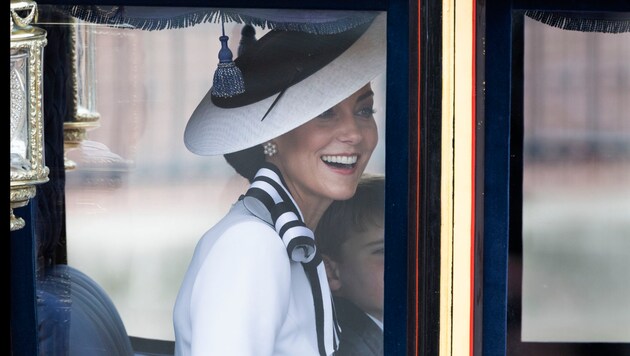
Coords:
pixel 269 199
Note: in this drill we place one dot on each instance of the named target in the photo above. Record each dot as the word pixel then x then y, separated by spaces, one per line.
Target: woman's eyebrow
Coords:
pixel 365 95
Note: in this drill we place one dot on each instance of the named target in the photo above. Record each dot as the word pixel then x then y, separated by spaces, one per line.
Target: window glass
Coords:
pixel 138 200
pixel 576 191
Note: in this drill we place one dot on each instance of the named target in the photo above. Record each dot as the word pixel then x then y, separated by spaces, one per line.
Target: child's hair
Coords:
pixel 345 218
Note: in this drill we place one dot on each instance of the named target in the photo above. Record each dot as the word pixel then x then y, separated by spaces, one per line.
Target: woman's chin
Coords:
pixel 344 194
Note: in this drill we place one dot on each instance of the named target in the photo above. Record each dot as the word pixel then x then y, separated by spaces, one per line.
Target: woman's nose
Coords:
pixel 349 130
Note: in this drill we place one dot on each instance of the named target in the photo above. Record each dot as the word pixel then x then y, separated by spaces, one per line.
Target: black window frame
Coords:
pixel 501 164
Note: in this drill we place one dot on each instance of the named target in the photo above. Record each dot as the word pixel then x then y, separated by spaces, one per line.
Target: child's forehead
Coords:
pixel 370 234
pixel 371 228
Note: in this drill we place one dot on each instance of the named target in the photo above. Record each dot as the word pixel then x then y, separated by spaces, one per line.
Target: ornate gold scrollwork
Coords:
pixel 27 138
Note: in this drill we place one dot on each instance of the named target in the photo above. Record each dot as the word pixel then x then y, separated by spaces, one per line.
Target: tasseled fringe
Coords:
pixel 170 18
pixel 228 79
pixel 116 16
pixel 583 21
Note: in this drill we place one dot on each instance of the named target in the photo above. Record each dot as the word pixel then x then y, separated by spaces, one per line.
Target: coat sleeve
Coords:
pixel 241 294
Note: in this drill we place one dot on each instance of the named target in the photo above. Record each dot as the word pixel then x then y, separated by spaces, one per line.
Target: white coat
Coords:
pixel 242 295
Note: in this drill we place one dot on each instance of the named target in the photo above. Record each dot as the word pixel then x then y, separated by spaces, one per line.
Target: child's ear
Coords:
pixel 332 273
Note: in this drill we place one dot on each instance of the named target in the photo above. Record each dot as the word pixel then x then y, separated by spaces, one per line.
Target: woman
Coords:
pixel 302 132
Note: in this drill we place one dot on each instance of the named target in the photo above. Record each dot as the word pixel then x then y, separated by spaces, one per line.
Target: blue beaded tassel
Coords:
pixel 228 79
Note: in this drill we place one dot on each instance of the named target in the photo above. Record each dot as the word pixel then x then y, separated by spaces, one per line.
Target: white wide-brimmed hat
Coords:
pixel 290 78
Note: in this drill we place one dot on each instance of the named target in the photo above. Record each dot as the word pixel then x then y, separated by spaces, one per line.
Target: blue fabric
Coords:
pixel 496 176
pixel 397 186
pixel 22 290
pixel 53 311
pixel 159 18
pixel 77 317
pixel 360 336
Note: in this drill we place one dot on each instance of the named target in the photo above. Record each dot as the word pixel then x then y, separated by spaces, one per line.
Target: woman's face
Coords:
pixel 325 157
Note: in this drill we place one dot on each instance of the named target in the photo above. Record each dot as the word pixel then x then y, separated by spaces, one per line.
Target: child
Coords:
pixel 350 237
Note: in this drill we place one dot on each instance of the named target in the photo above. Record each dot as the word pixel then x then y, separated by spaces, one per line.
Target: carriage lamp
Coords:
pixel 27 142
pixel 85 116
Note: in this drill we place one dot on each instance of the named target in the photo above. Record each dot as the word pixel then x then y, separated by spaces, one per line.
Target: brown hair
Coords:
pixel 345 218
pixel 247 162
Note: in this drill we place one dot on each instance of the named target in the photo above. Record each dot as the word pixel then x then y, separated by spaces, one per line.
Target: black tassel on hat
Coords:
pixel 228 79
pixel 248 37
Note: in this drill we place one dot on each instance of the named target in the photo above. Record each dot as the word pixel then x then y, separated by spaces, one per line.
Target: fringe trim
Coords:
pixel 116 16
pixel 584 21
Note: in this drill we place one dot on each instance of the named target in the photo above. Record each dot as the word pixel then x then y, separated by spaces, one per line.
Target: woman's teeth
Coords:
pixel 340 160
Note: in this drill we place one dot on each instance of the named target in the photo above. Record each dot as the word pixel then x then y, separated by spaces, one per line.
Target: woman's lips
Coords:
pixel 344 164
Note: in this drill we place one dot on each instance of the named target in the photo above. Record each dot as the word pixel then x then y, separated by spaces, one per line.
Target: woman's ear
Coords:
pixel 332 273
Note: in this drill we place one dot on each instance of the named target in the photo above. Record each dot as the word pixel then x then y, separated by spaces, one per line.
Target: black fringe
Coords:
pixel 617 22
pixel 117 16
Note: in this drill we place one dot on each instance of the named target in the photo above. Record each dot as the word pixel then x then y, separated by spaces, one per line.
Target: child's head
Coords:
pixel 350 237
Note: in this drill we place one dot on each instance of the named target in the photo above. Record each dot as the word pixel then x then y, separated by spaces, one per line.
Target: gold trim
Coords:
pixel 83 115
pixel 457 158
pixel 446 244
pixel 462 197
pixel 38 170
pixel 16 19
pixel 31 40
pixel 16 223
pixel 20 196
pixel 75 132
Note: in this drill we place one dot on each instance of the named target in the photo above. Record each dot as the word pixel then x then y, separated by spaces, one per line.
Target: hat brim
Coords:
pixel 212 130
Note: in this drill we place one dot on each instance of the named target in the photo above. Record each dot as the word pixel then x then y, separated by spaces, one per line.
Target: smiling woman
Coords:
pixel 302 131
pixel 138 200
pixel 151 191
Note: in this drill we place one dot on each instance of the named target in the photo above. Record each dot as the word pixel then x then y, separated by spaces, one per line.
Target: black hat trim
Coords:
pixel 281 59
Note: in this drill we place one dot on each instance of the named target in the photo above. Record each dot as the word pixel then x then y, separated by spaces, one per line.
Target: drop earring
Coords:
pixel 270 148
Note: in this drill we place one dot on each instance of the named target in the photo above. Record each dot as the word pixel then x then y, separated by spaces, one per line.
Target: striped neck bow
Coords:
pixel 270 200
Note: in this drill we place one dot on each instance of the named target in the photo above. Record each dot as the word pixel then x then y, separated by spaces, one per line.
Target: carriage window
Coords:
pixel 138 201
pixel 576 196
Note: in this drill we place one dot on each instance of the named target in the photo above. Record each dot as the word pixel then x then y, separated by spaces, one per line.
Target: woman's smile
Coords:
pixel 343 164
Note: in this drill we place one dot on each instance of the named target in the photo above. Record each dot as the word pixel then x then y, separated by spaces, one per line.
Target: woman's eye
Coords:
pixel 366 112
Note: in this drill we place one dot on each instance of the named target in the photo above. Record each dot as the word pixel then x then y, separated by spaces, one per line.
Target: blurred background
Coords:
pixel 576 186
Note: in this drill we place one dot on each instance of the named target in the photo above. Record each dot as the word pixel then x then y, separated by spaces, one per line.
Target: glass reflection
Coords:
pixel 576 196
pixel 134 198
